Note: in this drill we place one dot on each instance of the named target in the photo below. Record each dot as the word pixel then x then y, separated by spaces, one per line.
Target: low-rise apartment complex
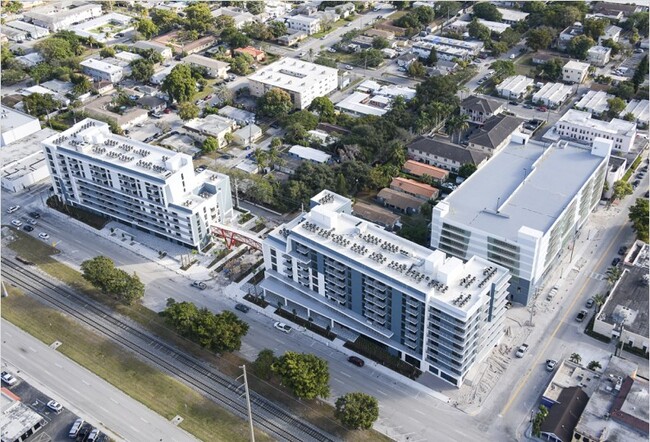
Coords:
pixel 148 187
pixel 582 127
pixel 436 313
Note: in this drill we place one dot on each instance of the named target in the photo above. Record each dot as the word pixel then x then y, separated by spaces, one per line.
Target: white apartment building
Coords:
pixel 522 208
pixel 35 32
pixel 214 68
pixel 303 23
pixel 581 126
pixel 16 125
pixel 511 16
pixel 100 70
pixel 164 51
pixel 437 313
pixel 302 80
pixel 612 32
pixel 147 187
pixel 447 48
pixel 553 94
pixel 640 109
pixel 575 72
pixel 55 17
pixel 594 102
pixel 599 55
pixel 515 87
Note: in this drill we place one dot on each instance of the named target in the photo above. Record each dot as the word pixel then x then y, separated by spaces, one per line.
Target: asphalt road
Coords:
pixel 82 392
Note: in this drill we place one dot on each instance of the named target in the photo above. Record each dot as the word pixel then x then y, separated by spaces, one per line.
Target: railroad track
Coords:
pixel 267 416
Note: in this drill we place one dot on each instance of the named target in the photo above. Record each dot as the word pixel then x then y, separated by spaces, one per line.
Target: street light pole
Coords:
pixel 248 405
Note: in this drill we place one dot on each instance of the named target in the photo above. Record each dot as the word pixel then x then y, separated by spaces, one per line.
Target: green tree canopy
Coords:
pixel 370 58
pixel 502 70
pixel 275 103
pixel 141 69
pixel 433 57
pixel 479 31
pixel 487 11
pixel 164 19
pixel 466 170
pixel 324 107
pixel 540 38
pixel 305 374
pixel 640 73
pixel 179 84
pixel 277 28
pixel 638 215
pixel 198 17
pixel 188 111
pixel 303 117
pixel 263 363
pixel 102 273
pixel 146 27
pixel 12 6
pixel 210 144
pixel 579 46
pixel 357 411
pixel 241 64
pixel 40 104
pixel 595 27
pixel 107 52
pixel 255 7
pixel 417 69
pixel 380 43
pixel 616 106
pixel 551 70
pixel 621 189
pixel 55 49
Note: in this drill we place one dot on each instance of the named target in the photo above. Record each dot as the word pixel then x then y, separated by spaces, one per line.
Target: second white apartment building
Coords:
pixel 147 187
pixel 437 313
pixel 100 70
pixel 302 80
pixel 523 208
pixel 581 126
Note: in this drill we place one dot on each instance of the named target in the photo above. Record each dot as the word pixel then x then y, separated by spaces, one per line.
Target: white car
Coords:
pixel 17 222
pixel 521 351
pixel 13 209
pixel 348 67
pixel 55 406
pixel 44 235
pixel 92 437
pixel 8 378
pixel 282 327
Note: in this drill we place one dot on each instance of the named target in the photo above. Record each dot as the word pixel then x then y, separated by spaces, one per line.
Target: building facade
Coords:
pixel 100 70
pixel 580 126
pixel 599 55
pixel 302 80
pixel 523 221
pixel 303 23
pixel 575 72
pixel 515 88
pixel 436 313
pixel 147 187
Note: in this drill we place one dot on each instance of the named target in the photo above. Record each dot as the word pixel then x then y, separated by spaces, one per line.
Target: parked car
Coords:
pixel 13 209
pixel 521 351
pixel 552 293
pixel 55 406
pixel 589 303
pixel 550 364
pixel 616 261
pixel 622 250
pixel 542 109
pixel 74 429
pixel 242 308
pixel 348 67
pixel 16 222
pixel 513 103
pixel 581 315
pixel 33 222
pixel 8 378
pixel 356 361
pixel 199 285
pixel 35 215
pixel 282 327
pixel 639 51
pixel 44 236
pixel 92 437
pixel 28 228
pixel 508 305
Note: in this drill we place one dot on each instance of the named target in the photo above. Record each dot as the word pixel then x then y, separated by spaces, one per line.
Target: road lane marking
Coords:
pixel 58 365
pixel 338 380
pixel 345 374
pixel 381 392
pixel 85 382
pixel 144 420
pixel 114 401
pixel 569 310
pixel 420 412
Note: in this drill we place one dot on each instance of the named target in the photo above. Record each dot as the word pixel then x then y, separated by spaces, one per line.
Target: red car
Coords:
pixel 356 361
pixel 542 109
pixel 167 111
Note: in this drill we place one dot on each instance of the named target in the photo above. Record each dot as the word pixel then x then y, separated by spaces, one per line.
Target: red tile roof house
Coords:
pixel 255 53
pixel 418 190
pixel 420 170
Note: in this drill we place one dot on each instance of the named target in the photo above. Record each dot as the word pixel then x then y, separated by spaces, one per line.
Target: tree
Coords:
pixel 276 143
pixel 141 70
pixel 164 19
pixel 502 69
pixel 456 125
pixel 81 83
pixel 147 28
pixel 417 69
pixel 188 111
pixel 255 7
pixel 479 31
pixel 613 274
pixel 102 274
pixel 638 215
pixel 179 84
pixel 263 363
pixel 539 420
pixel 304 118
pixel 575 358
pixel 198 17
pixel 107 52
pixel 540 38
pixel 275 103
pixel 357 411
pixel 640 73
pixel 466 170
pixel 579 46
pixel 599 300
pixel 594 365
pixel 324 107
pixel 241 64
pixel 433 56
pixel 235 38
pixel 594 27
pixel 621 189
pixel 380 43
pixel 210 144
pixel 447 9
pixel 55 49
pixel 40 104
pixel 615 46
pixel 551 70
pixel 12 6
pixel 370 58
pixel 487 11
pixel 510 37
pixel 305 374
pixel 616 106
pixel 277 28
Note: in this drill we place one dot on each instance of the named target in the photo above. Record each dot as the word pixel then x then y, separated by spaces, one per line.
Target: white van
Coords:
pixel 74 430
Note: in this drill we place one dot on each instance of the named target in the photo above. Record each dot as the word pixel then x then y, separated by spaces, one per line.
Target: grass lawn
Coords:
pixel 317 412
pixel 156 390
pixel 334 27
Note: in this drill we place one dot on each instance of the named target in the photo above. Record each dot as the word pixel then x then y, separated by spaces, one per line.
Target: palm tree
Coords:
pixel 575 358
pixel 613 274
pixel 456 125
pixel 594 365
pixel 599 300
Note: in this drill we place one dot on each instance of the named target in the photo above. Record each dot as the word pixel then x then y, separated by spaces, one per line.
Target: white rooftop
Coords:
pixel 576 65
pixel 523 186
pixel 512 15
pixel 601 50
pixel 100 65
pixel 308 153
pixel 210 124
pixel 291 74
pixel 553 92
pixel 17 418
pixel 515 84
pixel 640 109
pixel 595 102
pixel 209 63
pixel 11 118
pixel 403 262
pixel 359 103
pixel 494 26
pixel 585 119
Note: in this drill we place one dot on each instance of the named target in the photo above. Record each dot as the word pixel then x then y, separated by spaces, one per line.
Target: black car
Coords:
pixel 242 308
pixel 636 183
pixel 615 261
pixel 356 361
pixel 513 103
pixel 35 215
pixel 28 228
pixel 581 316
pixel 622 250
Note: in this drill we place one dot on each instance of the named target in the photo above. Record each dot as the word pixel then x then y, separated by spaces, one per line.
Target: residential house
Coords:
pixel 399 201
pixel 581 126
pixel 594 102
pixel 247 135
pixel 569 34
pixel 303 23
pixel 419 190
pixel 214 126
pixel 309 154
pixel 553 94
pixel 495 133
pixel 257 54
pixel 422 171
pixel 164 51
pixel 213 68
pixel 575 72
pixel 563 417
pixel 515 88
pixel 101 70
pixel 599 55
pixel 378 215
pixel 479 109
pixel 640 109
pixel 612 32
pixel 441 153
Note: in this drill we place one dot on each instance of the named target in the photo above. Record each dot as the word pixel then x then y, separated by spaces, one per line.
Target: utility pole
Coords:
pixel 236 194
pixel 248 404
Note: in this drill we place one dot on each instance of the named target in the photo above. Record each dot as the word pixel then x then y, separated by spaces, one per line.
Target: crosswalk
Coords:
pixel 598 276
